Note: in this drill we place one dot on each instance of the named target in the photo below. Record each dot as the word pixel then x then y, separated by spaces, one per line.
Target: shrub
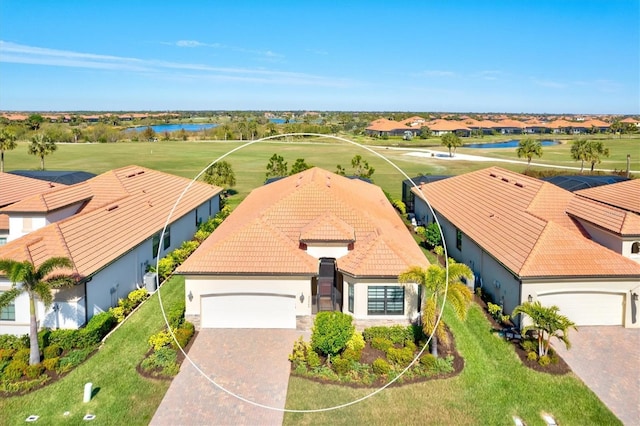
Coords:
pixel 428 361
pixel 397 334
pixel 163 359
pixel 166 266
pixel 410 345
pixel 175 314
pixel 505 319
pixel 138 296
pixel 3 365
pixel 400 206
pixel 66 339
pixel 352 355
pixel 22 355
pixel 340 365
pixel 544 360
pixel 23 385
pixel 34 371
pixel 52 351
pixel 299 353
pixel 6 354
pixel 494 310
pixel 126 304
pixel 201 235
pixel 183 335
pixel 432 234
pixel 401 357
pixel 43 337
pixel 118 312
pixel 98 327
pixel 444 365
pixel 160 340
pixel 529 345
pixel 356 342
pixel 532 356
pixel 331 331
pixel 313 359
pixel 74 358
pixel 381 367
pixel 381 343
pixel 51 363
pixel 9 341
pixel 14 370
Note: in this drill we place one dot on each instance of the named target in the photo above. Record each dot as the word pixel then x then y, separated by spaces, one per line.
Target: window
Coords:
pixel 8 313
pixel 166 242
pixel 459 239
pixel 3 241
pixel 635 248
pixel 155 241
pixel 385 300
pixel 350 306
pixel 419 298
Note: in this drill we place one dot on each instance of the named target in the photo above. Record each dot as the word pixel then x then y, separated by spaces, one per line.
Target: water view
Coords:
pixel 161 128
pixel 513 143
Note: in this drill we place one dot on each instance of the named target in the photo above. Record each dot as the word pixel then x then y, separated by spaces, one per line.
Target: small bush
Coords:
pixel 504 319
pixel 160 340
pixel 544 360
pixel 313 359
pixel 34 371
pixel 299 353
pixel 397 334
pixel 22 355
pixel 400 206
pixel 166 265
pixel 175 314
pixel 428 361
pixel 356 342
pixel 163 359
pixel 43 337
pixel 183 335
pixel 381 367
pixel 494 310
pixel 532 356
pixel 52 351
pixel 340 365
pixel 118 312
pixel 9 341
pixel 410 345
pixel 331 331
pixel 432 234
pixel 529 345
pixel 381 343
pixel 401 357
pixel 444 365
pixel 3 365
pixel 352 355
pixel 15 370
pixel 138 296
pixel 66 339
pixel 98 326
pixel 6 354
pixel 50 364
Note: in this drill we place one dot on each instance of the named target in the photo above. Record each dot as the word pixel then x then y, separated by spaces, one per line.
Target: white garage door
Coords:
pixel 588 308
pixel 248 310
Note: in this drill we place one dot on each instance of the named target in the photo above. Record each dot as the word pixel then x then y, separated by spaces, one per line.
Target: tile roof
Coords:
pixel 446 125
pixel 386 125
pixel 624 195
pixel 521 221
pixel 616 220
pixel 51 200
pixel 129 205
pixel 263 234
pixel 14 188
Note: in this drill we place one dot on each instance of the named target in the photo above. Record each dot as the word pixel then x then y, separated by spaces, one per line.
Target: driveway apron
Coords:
pixel 251 363
pixel 607 361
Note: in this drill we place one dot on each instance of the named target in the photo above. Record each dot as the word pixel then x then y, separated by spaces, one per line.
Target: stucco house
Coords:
pixel 309 242
pixel 110 227
pixel 526 239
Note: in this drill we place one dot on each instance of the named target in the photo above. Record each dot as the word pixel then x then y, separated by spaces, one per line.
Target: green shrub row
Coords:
pixel 129 303
pixel 397 334
pixel 96 329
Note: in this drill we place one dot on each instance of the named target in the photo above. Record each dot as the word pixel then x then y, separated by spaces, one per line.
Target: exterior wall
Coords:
pixel 627 245
pixel 360 290
pixel 298 286
pixel 604 238
pixel 21 324
pixel 62 213
pixel 16 225
pixel 335 251
pixel 626 287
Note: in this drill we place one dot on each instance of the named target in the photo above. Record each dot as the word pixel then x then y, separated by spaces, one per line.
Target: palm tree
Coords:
pixel 7 143
pixel 451 140
pixel 456 293
pixel 37 282
pixel 547 322
pixel 42 145
pixel 594 151
pixel 579 151
pixel 528 147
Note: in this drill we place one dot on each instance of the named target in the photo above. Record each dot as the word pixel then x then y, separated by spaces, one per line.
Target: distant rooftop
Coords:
pixel 64 177
pixel 578 182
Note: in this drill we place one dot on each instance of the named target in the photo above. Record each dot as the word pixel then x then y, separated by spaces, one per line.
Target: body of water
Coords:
pixel 161 128
pixel 508 144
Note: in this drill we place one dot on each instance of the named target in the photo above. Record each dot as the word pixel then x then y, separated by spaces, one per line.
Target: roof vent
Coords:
pixel 112 208
pixel 519 185
pixel 504 179
pixel 131 175
pixel 140 172
pixel 493 175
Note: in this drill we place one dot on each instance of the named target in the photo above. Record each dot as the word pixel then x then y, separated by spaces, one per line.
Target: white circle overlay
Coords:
pixel 314 410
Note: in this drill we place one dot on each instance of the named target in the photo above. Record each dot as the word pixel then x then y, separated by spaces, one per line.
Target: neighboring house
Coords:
pixel 577 182
pixel 110 227
pixel 309 242
pixel 525 240
pixel 385 127
pixel 440 127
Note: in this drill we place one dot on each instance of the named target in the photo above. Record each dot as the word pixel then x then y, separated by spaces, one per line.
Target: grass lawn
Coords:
pixel 493 387
pixel 121 395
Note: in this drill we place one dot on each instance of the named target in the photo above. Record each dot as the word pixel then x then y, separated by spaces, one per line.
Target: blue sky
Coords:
pixel 532 56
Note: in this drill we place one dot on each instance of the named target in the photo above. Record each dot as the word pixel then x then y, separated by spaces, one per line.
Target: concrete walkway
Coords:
pixel 252 363
pixel 607 359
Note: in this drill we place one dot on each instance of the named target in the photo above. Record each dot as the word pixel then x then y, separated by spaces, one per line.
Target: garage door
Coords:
pixel 588 308
pixel 248 310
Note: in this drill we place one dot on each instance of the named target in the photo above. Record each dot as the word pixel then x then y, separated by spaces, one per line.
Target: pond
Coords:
pixel 161 128
pixel 513 143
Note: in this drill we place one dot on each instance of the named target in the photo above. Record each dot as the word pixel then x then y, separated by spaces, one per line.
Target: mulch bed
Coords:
pixel 559 368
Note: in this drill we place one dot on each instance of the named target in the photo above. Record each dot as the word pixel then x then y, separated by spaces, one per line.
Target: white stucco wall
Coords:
pixel 335 251
pixel 603 237
pixel 62 213
pixel 360 287
pixel 17 228
pixel 196 286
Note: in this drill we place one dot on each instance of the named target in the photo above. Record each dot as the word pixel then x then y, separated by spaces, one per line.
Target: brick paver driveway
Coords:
pixel 607 360
pixel 252 363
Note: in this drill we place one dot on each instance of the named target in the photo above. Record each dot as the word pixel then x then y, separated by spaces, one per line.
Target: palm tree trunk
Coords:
pixel 42 162
pixel 434 344
pixel 34 354
pixel 1 161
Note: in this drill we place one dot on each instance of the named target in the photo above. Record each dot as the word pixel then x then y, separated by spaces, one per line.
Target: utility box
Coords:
pixel 151 281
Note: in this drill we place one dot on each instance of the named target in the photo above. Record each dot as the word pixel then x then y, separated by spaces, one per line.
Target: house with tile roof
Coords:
pixel 385 127
pixel 309 242
pixel 110 227
pixel 526 239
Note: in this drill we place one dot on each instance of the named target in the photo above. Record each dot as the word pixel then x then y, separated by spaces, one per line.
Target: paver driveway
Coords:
pixel 608 362
pixel 252 363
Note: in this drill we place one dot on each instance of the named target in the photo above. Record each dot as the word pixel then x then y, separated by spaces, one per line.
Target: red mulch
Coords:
pixel 557 368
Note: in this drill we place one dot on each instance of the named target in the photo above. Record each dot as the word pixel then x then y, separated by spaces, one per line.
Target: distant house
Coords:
pixel 385 127
pixel 309 242
pixel 526 239
pixel 440 127
pixel 110 227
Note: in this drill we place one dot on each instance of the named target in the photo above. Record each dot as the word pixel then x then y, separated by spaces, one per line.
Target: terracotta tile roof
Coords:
pixel 624 195
pixel 616 220
pixel 414 121
pixel 509 215
pixel 511 123
pixel 263 234
pixel 594 122
pixel 385 125
pixel 559 124
pixel 14 188
pixel 51 200
pixel 140 204
pixel 446 125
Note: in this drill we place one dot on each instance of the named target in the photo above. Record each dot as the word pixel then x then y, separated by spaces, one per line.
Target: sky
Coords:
pixel 512 56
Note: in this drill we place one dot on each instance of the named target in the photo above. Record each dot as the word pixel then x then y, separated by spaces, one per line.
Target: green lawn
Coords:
pixel 493 387
pixel 122 396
